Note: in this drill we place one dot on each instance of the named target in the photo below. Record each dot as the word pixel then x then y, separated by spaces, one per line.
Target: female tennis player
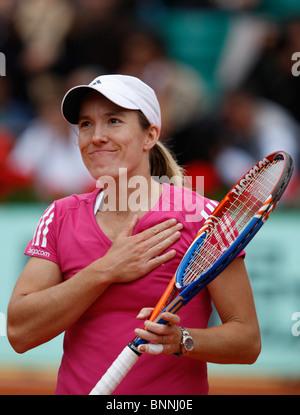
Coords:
pixel 98 261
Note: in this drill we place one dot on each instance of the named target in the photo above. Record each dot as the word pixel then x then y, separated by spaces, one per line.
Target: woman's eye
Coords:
pixel 84 124
pixel 114 121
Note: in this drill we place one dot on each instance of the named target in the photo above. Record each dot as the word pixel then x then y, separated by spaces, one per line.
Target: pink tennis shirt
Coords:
pixel 69 235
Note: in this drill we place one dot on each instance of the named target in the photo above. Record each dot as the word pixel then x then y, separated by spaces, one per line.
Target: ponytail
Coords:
pixel 163 163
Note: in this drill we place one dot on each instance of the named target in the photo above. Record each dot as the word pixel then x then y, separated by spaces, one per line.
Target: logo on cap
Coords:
pixel 96 82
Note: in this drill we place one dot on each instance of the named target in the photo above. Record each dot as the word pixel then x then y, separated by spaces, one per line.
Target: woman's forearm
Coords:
pixel 230 343
pixel 37 317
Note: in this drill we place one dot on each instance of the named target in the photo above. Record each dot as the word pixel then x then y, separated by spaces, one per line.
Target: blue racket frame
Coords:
pixel 188 292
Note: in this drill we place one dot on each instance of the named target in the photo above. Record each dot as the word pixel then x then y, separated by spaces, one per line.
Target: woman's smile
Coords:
pixel 101 152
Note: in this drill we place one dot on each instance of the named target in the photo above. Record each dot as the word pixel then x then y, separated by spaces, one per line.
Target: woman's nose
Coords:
pixel 99 135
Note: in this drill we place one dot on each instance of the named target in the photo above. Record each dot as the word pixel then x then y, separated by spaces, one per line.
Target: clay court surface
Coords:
pixel 36 383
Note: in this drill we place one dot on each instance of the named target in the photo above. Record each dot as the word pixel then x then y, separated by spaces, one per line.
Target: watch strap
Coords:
pixel 184 332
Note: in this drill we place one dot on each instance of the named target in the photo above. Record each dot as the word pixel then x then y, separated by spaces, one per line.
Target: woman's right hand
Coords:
pixel 44 305
pixel 133 256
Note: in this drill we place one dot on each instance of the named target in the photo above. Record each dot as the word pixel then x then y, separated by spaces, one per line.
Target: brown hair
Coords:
pixel 162 161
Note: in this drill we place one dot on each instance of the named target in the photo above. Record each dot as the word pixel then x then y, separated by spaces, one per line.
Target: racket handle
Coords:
pixel 117 371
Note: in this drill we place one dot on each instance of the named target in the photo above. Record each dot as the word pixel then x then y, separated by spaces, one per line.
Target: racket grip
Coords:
pixel 117 371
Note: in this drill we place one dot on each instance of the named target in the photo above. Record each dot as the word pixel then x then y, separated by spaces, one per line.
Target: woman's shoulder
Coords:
pixel 75 201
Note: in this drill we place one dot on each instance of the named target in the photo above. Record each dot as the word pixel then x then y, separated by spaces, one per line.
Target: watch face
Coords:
pixel 188 344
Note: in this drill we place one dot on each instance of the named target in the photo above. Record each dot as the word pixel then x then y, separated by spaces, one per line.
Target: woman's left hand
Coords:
pixel 164 338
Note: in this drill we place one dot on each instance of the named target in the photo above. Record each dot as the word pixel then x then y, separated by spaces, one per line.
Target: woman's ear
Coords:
pixel 151 137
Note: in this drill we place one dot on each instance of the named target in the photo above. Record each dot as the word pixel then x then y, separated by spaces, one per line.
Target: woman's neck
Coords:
pixel 136 194
pixel 117 209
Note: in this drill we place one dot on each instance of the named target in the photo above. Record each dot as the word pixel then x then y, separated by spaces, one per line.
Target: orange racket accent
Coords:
pixel 166 298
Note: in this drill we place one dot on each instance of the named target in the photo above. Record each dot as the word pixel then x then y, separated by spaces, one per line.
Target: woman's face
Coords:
pixel 110 138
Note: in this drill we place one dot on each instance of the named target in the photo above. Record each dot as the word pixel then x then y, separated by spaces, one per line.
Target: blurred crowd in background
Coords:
pixel 217 128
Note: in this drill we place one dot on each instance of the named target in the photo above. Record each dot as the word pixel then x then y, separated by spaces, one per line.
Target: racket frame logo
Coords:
pixel 239 187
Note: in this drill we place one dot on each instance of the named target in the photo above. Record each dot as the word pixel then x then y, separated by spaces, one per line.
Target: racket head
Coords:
pixel 235 220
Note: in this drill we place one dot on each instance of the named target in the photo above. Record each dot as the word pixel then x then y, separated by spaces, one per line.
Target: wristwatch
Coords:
pixel 187 343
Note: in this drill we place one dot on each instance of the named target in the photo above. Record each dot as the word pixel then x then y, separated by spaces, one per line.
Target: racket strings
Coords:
pixel 233 220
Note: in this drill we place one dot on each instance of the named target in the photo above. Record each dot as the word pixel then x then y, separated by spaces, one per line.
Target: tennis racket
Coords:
pixel 225 233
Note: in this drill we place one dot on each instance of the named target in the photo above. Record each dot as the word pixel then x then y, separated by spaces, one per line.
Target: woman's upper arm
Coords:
pixel 37 275
pixel 232 294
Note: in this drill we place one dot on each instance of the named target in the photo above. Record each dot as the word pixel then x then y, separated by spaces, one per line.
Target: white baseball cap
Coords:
pixel 126 91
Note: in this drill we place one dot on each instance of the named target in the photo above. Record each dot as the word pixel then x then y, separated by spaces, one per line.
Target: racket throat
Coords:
pixel 134 346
